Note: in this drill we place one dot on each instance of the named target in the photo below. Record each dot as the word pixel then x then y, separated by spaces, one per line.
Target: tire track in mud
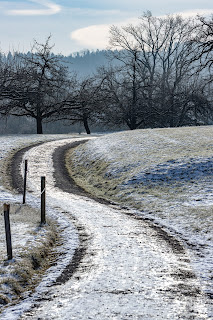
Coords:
pixel 67 184
pixel 13 168
pixel 64 182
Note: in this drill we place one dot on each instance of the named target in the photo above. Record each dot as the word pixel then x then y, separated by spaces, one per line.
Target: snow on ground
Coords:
pixel 127 272
pixel 165 173
pixel 27 237
pixel 11 143
pixel 8 144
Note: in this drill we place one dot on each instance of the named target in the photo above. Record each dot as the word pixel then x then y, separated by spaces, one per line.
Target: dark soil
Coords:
pixel 62 177
pixel 13 169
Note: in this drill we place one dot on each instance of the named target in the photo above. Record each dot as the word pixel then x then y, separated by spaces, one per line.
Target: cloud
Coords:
pixel 50 8
pixel 195 12
pixel 97 36
pixel 92 37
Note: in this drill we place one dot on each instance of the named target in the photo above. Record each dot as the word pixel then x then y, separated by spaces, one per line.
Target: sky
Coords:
pixel 77 25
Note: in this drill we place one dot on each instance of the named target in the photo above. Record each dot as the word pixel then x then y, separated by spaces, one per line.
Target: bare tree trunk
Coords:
pixel 132 123
pixel 172 117
pixel 172 111
pixel 134 97
pixel 86 125
pixel 39 125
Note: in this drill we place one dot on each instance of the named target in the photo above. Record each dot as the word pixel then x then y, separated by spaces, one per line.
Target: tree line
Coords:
pixel 159 74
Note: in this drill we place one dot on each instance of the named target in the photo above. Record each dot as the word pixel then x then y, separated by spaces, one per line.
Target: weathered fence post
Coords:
pixel 43 200
pixel 7 230
pixel 25 182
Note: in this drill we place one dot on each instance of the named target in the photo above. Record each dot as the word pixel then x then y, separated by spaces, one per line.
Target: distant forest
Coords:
pixel 85 63
pixel 157 74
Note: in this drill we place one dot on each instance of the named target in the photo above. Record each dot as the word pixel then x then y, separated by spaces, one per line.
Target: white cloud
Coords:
pixel 97 36
pixel 92 37
pixel 195 12
pixel 50 8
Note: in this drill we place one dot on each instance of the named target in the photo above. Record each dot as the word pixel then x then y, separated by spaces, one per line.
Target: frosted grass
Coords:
pixel 167 174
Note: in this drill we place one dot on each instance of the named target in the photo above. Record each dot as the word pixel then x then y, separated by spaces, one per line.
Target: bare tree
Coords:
pixel 7 78
pixel 87 91
pixel 122 97
pixel 159 53
pixel 40 86
pixel 203 38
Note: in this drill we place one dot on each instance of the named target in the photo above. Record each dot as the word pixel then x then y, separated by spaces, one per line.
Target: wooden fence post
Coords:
pixel 43 201
pixel 7 230
pixel 25 182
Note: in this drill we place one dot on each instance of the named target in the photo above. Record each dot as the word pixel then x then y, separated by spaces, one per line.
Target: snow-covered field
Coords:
pixel 128 272
pixel 166 174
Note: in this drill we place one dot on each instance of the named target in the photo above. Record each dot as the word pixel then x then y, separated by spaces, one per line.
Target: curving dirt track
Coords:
pixel 124 268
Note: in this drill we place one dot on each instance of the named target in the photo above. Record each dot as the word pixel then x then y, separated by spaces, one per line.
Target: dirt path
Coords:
pixel 124 268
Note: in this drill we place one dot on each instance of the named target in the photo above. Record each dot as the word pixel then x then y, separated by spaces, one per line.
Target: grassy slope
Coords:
pixel 164 173
pixel 127 165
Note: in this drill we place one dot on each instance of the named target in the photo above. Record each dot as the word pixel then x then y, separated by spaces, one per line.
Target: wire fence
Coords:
pixel 7 210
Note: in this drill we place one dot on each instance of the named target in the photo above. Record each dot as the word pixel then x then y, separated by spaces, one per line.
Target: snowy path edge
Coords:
pixel 67 252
